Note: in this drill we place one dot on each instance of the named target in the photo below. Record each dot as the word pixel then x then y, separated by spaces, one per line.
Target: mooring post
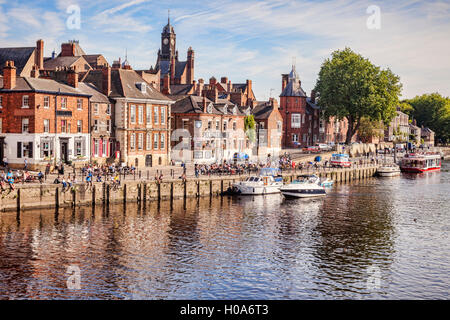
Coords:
pixel 124 194
pixel 108 188
pixel 93 196
pixel 73 197
pixel 18 200
pixel 57 198
pixel 144 196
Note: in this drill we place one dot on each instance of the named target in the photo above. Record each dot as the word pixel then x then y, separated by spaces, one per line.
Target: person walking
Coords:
pixel 5 162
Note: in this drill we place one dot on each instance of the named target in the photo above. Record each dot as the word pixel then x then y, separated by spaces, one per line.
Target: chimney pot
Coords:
pixel 9 75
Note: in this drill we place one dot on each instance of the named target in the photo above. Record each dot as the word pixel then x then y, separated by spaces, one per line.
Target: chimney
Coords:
pixel 106 80
pixel 199 91
pixel 249 88
pixel 190 65
pixel 39 54
pixel 9 75
pixel 313 96
pixel 172 71
pixel 212 94
pixel 68 49
pixel 194 85
pixel 284 81
pixel 166 84
pixel 35 72
pixel 212 81
pixel 224 80
pixel 72 78
pixel 229 86
pixel 204 105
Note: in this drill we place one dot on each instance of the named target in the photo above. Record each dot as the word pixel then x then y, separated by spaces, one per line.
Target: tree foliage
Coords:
pixel 249 127
pixel 350 86
pixel 432 111
pixel 369 129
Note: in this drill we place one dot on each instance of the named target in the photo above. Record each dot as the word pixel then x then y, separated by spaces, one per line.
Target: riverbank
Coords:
pixel 48 196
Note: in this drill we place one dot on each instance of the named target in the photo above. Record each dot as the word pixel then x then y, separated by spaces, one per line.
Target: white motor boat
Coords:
pixel 305 186
pixel 327 183
pixel 267 182
pixel 389 170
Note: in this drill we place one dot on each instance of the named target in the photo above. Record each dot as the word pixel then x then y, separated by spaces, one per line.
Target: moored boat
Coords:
pixel 418 163
pixel 389 170
pixel 268 181
pixel 340 160
pixel 305 186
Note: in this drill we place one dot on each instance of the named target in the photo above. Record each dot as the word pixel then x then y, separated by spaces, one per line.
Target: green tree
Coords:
pixel 433 111
pixel 369 129
pixel 406 108
pixel 350 86
pixel 249 127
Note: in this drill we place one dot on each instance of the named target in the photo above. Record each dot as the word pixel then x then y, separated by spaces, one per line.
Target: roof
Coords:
pixel 311 104
pixel 59 62
pixel 91 58
pixel 293 89
pixel 20 56
pixel 180 89
pixel 262 110
pixel 194 104
pixel 90 89
pixel 124 83
pixel 180 66
pixel 45 85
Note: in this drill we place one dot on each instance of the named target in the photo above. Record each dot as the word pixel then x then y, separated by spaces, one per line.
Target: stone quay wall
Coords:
pixel 49 196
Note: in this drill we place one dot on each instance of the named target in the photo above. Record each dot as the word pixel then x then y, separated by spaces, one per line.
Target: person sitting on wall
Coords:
pixel 64 184
pixel 40 177
pixel 57 180
pixel 10 178
pixel 99 178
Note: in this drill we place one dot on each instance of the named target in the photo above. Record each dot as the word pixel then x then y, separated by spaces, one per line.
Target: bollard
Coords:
pixel 124 194
pixel 18 201
pixel 139 174
pixel 93 196
pixel 74 197
pixel 148 175
pixel 57 198
pixel 107 194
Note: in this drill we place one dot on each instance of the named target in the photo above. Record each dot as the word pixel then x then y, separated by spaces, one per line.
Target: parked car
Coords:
pixel 324 147
pixel 311 149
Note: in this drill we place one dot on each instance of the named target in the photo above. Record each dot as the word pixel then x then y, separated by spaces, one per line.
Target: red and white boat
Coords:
pixel 418 163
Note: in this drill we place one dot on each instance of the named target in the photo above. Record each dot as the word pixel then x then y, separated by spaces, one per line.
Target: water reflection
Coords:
pixel 261 247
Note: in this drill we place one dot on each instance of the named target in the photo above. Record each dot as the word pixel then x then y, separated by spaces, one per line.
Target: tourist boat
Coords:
pixel 418 163
pixel 305 186
pixel 268 181
pixel 327 183
pixel 340 160
pixel 388 170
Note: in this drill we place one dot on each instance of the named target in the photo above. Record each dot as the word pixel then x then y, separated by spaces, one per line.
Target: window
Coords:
pixel 0 101
pixel 96 147
pixel 198 124
pixel 185 124
pixel 304 117
pixel 95 108
pixel 163 115
pixel 140 114
pixel 46 125
pixel 104 147
pixel 25 102
pixel 68 127
pixel 148 114
pixel 78 147
pixel 155 117
pixel 321 127
pixel 279 126
pixel 79 104
pixel 162 141
pixel 1 125
pixel 108 109
pixel 225 125
pixel 140 141
pixel 132 114
pixel 63 103
pixel 132 141
pixel 46 102
pixel 295 120
pixel 45 149
pixel 95 126
pixel 63 126
pixel 25 123
pixel 148 141
pixel 217 125
pixel 209 125
pixel 155 141
pixel 234 125
pixel 108 125
pixel 79 126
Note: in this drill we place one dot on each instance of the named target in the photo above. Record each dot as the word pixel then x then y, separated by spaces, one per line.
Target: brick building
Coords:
pixel 269 127
pixel 398 129
pixel 142 126
pixel 168 63
pixel 24 58
pixel 208 130
pixel 300 115
pixel 42 120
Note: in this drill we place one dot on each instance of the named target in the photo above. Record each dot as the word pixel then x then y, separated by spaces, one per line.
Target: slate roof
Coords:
pixel 262 110
pixel 180 89
pixel 194 104
pixel 20 56
pixel 59 62
pixel 311 104
pixel 45 85
pixel 124 84
pixel 90 89
pixel 164 66
pixel 293 89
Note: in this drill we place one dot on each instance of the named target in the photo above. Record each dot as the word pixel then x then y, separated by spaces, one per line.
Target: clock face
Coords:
pixel 166 41
pixel 172 41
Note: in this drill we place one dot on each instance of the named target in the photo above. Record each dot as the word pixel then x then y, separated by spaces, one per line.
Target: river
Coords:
pixel 381 238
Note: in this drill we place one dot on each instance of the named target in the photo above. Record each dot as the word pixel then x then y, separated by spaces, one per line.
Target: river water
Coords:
pixel 382 238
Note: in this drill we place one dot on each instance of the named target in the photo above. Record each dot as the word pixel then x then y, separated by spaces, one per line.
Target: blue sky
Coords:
pixel 249 39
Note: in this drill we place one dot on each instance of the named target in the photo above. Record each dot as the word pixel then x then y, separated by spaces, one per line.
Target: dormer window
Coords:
pixel 142 86
pixel 225 109
pixel 210 108
pixel 235 110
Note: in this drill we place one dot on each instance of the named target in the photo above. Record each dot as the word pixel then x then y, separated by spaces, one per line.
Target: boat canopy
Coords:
pixel 339 155
pixel 269 172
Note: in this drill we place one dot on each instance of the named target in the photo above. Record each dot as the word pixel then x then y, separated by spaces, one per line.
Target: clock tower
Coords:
pixel 168 43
